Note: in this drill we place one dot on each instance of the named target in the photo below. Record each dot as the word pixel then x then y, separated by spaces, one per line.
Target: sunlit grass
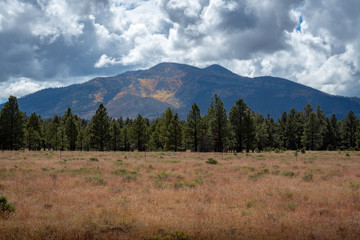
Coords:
pixel 136 196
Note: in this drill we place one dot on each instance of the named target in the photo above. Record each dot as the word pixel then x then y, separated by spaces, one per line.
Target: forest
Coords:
pixel 215 131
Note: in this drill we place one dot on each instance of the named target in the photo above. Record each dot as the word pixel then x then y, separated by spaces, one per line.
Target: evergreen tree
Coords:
pixel 99 130
pixel 164 129
pixel 236 117
pixel 80 140
pixel 139 133
pixel 205 140
pixel 51 134
pixel 11 125
pixel 350 124
pixel 61 138
pixel 261 135
pixel 357 134
pixel 282 130
pixel 312 138
pixel 299 124
pixel 193 127
pixel 218 123
pixel 272 136
pixel 308 109
pixel 33 132
pixel 322 121
pixel 175 139
pixel 249 124
pixel 125 138
pixel 154 142
pixel 293 129
pixel 71 130
pixel 329 140
pixel 115 136
pixel 336 126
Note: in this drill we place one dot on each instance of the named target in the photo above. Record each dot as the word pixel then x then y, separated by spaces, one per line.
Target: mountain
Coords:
pixel 178 86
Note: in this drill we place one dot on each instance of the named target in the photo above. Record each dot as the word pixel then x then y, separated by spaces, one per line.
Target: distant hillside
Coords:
pixel 150 92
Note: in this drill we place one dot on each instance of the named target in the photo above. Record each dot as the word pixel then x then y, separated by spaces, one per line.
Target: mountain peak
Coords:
pixel 170 65
pixel 216 68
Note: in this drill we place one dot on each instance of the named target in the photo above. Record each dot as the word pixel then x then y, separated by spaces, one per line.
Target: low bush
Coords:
pixel 211 161
pixel 6 208
pixel 177 235
pixel 308 177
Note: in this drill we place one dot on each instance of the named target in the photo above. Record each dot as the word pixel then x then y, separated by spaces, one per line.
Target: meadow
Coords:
pixel 180 195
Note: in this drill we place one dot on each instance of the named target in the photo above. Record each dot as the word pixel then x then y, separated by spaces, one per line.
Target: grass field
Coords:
pixel 122 195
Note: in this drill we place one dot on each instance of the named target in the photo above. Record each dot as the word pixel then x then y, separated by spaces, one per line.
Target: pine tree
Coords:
pixel 80 140
pixel 71 130
pixel 308 109
pixel 154 142
pixel 281 124
pixel 291 130
pixel 61 138
pixel 236 117
pixel 312 138
pixel 350 124
pixel 329 140
pixel 272 139
pixel 261 135
pixel 139 133
pixel 249 124
pixel 336 126
pixel 11 125
pixel 99 130
pixel 125 138
pixel 193 127
pixel 164 129
pixel 115 135
pixel 175 138
pixel 218 123
pixel 33 132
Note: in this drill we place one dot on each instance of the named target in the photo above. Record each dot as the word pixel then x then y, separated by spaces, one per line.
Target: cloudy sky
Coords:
pixel 50 43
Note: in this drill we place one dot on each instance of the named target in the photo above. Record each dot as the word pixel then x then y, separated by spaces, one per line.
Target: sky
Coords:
pixel 53 43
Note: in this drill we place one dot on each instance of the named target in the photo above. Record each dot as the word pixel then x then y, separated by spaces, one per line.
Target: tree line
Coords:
pixel 240 130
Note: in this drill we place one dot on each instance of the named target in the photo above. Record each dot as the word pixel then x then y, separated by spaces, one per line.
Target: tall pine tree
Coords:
pixel 99 130
pixel 218 123
pixel 12 122
pixel 236 117
pixel 193 127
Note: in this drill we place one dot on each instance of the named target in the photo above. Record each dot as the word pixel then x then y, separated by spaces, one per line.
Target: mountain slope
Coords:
pixel 150 92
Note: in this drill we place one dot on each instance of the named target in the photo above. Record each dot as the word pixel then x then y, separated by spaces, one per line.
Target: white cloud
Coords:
pixel 49 40
pixel 106 61
pixel 23 86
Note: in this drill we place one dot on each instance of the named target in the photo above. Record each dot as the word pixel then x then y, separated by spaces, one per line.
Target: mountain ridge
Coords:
pixel 149 92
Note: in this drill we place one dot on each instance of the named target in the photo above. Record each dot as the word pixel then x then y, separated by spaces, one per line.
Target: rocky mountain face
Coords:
pixel 150 92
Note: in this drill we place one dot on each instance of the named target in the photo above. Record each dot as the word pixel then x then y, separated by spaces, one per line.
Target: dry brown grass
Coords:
pixel 75 198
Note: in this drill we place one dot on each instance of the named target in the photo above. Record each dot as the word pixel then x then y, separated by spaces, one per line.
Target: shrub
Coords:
pixel 355 186
pixel 308 177
pixel 250 204
pixel 276 150
pixel 291 206
pixel 287 173
pixel 126 174
pixel 97 180
pixel 263 171
pixel 93 159
pixel 303 150
pixel 253 176
pixel 162 175
pixel 211 161
pixel 177 235
pixel 6 208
